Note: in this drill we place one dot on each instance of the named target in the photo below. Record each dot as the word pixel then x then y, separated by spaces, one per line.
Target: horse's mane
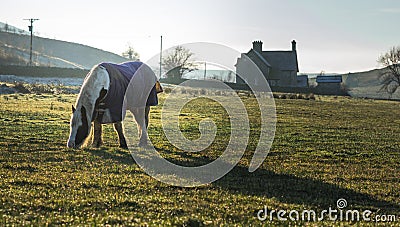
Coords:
pixel 90 89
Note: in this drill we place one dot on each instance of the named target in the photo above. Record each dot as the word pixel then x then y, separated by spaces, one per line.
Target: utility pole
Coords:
pixel 205 70
pixel 160 56
pixel 31 30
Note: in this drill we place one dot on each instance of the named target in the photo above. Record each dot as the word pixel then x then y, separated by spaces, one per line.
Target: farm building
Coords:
pixel 329 84
pixel 278 67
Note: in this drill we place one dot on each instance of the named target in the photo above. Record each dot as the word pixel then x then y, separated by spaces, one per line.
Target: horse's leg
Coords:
pixel 146 116
pixel 97 140
pixel 120 131
pixel 139 114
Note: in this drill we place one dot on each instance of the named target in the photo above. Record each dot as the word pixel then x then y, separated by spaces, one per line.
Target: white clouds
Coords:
pixel 389 10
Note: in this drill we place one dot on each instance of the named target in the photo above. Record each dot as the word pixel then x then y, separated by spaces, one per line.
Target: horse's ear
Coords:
pixel 159 89
pixel 103 94
pixel 73 109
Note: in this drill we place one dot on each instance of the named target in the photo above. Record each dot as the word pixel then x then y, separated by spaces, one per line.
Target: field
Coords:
pixel 324 150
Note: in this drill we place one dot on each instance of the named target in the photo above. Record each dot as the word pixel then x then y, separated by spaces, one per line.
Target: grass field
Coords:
pixel 324 149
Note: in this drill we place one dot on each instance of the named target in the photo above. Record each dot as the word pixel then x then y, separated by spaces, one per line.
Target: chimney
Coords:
pixel 257 46
pixel 294 45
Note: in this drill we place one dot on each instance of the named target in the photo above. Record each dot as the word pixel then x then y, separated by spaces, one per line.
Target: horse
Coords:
pixel 107 92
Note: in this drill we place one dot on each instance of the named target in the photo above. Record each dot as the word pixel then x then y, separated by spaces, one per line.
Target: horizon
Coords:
pixel 331 36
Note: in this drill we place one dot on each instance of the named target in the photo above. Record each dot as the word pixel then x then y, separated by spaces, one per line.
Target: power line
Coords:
pixel 31 30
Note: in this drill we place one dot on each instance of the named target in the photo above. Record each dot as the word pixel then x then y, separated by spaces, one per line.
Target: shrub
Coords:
pixel 300 96
pixel 167 90
pixel 20 87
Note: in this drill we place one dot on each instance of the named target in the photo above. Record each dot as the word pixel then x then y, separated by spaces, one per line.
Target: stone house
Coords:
pixel 280 68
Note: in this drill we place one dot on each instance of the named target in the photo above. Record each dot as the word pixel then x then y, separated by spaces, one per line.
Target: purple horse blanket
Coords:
pixel 140 93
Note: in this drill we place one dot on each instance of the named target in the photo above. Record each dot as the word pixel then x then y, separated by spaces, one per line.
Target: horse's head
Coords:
pixel 96 83
pixel 80 127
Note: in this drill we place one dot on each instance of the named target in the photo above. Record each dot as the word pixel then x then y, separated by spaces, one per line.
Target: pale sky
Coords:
pixel 332 35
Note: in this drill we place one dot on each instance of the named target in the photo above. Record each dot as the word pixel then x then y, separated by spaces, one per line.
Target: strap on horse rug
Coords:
pixel 143 83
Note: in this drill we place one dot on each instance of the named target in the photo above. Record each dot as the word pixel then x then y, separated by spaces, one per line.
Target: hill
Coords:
pixel 366 84
pixel 14 50
pixel 5 27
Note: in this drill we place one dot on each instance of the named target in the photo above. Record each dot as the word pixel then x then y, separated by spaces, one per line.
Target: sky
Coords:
pixel 332 35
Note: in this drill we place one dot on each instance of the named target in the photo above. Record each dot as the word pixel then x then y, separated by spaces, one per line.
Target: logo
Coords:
pixel 330 214
pixel 341 203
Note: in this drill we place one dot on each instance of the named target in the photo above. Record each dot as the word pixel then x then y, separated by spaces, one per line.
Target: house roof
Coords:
pixel 329 79
pixel 262 58
pixel 282 60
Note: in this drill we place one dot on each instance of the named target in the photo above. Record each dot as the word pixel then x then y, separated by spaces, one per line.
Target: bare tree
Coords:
pixel 390 75
pixel 230 77
pixel 178 62
pixel 131 54
pixel 6 27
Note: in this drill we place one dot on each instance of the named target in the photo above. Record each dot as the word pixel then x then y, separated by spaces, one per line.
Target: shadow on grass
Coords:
pixel 286 188
pixel 114 154
pixel 292 189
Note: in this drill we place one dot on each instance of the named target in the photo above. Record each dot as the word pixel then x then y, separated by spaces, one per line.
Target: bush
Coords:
pixel 20 87
pixel 167 90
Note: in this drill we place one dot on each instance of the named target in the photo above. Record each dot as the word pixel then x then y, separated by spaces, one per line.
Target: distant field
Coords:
pixel 366 84
pixel 324 149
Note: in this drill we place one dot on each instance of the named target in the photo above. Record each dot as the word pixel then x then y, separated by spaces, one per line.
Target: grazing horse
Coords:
pixel 107 92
